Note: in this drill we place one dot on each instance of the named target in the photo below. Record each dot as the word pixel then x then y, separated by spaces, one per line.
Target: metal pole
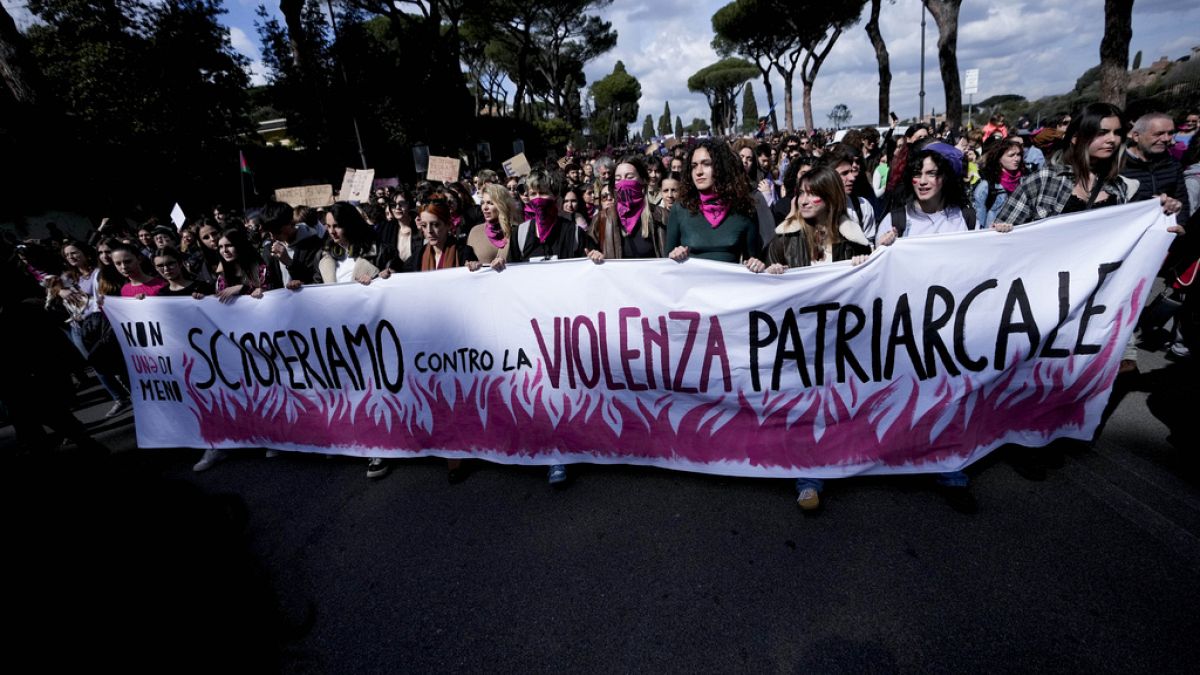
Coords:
pixel 922 115
pixel 362 155
pixel 970 111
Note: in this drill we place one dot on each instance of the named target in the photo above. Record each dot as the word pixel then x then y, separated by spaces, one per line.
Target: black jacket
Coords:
pixel 1156 175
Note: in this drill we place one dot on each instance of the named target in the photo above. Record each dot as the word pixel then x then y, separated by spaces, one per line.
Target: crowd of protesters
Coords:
pixel 769 204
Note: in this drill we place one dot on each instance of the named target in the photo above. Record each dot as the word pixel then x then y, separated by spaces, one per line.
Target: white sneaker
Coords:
pixel 271 453
pixel 808 499
pixel 117 408
pixel 210 457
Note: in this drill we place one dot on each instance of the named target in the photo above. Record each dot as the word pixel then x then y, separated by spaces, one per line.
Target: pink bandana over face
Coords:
pixel 631 200
pixel 712 208
pixel 494 234
pixel 545 215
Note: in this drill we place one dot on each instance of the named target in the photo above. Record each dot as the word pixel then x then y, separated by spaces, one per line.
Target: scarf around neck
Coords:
pixel 1009 180
pixel 495 235
pixel 713 209
pixel 430 262
pixel 631 201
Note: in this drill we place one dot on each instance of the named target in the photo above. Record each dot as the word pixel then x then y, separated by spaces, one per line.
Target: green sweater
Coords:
pixel 734 240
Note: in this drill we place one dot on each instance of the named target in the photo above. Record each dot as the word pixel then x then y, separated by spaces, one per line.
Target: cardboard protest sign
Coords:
pixel 443 169
pixel 385 183
pixel 356 185
pixel 516 166
pixel 306 195
pixel 177 216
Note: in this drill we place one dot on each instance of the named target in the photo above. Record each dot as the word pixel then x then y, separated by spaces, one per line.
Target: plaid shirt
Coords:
pixel 1045 193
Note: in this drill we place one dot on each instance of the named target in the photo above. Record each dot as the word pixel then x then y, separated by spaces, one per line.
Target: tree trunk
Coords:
pixel 786 74
pixel 293 11
pixel 945 15
pixel 15 67
pixel 1114 51
pixel 766 77
pixel 808 75
pixel 885 69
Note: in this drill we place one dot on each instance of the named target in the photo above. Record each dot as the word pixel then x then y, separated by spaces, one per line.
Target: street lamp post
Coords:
pixel 922 115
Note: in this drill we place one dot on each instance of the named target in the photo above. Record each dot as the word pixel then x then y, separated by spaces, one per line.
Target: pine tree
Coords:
pixel 749 109
pixel 664 122
pixel 648 128
pixel 678 127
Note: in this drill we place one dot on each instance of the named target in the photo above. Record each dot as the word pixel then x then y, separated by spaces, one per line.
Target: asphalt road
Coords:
pixel 301 564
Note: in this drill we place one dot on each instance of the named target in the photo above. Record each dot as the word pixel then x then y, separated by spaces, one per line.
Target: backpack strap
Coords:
pixel 970 217
pixel 899 217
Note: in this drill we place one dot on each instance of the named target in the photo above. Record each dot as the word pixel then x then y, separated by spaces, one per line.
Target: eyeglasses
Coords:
pixel 168 265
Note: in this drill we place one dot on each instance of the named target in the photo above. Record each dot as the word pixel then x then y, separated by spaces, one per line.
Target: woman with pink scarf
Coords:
pixel 716 216
pixel 634 228
pixel 1003 168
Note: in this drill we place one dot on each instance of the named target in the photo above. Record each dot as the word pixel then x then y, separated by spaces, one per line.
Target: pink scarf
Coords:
pixel 545 215
pixel 495 235
pixel 631 200
pixel 1009 180
pixel 712 208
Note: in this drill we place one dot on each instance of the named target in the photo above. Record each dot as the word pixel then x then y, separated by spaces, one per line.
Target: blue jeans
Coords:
pixel 817 484
pixel 114 388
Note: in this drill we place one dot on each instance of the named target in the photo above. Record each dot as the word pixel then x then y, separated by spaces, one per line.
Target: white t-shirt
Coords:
pixel 345 269
pixel 917 222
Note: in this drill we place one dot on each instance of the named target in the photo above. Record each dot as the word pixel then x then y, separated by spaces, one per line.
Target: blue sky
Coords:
pixel 1033 48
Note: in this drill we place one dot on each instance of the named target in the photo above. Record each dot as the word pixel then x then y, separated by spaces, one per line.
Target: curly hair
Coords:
pixel 990 169
pixel 952 185
pixel 729 180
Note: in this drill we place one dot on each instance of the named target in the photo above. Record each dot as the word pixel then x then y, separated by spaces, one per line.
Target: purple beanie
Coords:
pixel 950 153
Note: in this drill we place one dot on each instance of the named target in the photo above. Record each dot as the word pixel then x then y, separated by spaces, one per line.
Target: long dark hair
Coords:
pixel 1084 128
pixel 729 180
pixel 358 236
pixel 952 185
pixel 990 169
pixel 243 269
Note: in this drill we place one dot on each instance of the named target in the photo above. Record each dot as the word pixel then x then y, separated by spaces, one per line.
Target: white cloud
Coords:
pixel 242 42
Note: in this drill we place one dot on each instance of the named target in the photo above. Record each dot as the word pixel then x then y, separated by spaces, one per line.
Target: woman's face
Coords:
pixel 209 236
pixel 570 201
pixel 670 192
pixel 747 157
pixel 606 197
pixel 702 169
pixel 627 172
pixel 434 230
pixel 1107 140
pixel 589 197
pixel 676 165
pixel 162 241
pixel 127 264
pixel 146 237
pixel 488 208
pixel 848 172
pixel 226 249
pixel 656 172
pixel 335 230
pixel 1011 159
pixel 104 254
pixel 187 237
pixel 168 267
pixel 809 204
pixel 927 184
pixel 74 257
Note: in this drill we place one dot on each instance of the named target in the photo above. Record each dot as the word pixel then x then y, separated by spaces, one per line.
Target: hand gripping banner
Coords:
pixel 934 352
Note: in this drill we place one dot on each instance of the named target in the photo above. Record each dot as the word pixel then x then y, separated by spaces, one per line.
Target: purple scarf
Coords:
pixel 545 215
pixel 712 208
pixel 631 200
pixel 495 235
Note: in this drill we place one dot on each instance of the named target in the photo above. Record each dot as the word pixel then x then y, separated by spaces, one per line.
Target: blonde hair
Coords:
pixel 507 212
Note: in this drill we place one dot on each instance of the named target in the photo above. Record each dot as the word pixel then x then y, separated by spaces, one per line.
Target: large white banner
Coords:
pixel 926 357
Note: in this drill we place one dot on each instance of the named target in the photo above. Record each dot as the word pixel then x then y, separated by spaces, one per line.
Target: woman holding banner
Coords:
pixel 549 235
pixel 634 228
pixel 718 219
pixel 351 252
pixel 242 270
pixel 80 293
pixel 489 240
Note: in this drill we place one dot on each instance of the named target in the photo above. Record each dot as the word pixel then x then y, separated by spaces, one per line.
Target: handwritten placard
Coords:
pixel 443 169
pixel 516 165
